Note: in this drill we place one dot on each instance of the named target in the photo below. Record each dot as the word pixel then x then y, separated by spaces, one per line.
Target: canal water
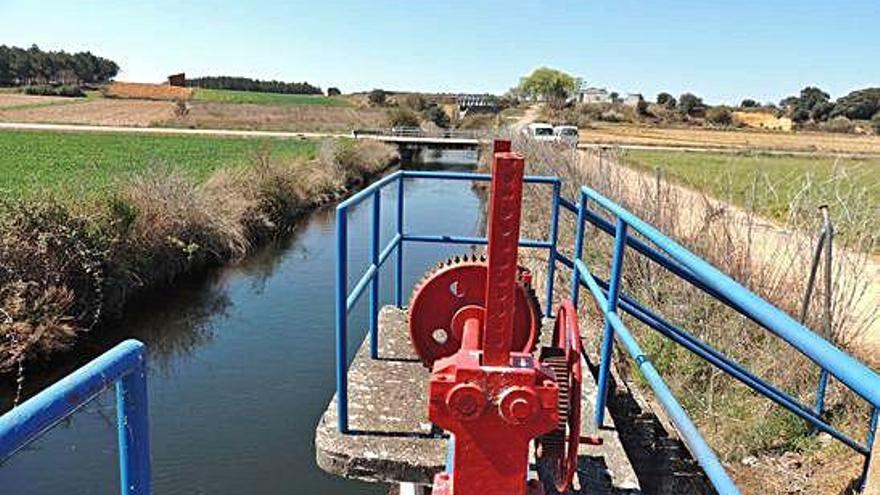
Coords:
pixel 241 364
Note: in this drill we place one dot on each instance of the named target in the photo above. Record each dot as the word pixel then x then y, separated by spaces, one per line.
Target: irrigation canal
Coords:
pixel 241 365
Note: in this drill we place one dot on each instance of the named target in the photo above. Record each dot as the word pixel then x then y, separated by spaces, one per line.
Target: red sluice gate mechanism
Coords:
pixel 475 322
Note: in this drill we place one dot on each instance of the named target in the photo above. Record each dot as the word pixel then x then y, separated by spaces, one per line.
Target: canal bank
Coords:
pixel 71 262
pixel 241 365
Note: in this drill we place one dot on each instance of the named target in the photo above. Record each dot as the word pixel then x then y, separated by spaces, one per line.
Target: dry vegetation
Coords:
pixel 767 449
pixel 133 113
pixel 142 91
pixel 735 139
pixel 9 101
pixel 64 267
pixel 299 118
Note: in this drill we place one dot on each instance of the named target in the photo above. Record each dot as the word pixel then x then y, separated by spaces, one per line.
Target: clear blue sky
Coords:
pixel 721 50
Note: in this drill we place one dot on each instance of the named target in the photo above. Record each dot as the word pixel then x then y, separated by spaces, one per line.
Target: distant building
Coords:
pixel 633 100
pixel 476 104
pixel 594 95
pixel 763 120
pixel 178 80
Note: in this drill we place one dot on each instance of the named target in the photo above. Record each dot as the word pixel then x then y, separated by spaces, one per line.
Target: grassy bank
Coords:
pixel 767 449
pixel 230 96
pixel 778 187
pixel 71 260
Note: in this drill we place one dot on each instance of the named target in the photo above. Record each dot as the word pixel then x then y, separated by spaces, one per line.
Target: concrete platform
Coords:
pixel 393 441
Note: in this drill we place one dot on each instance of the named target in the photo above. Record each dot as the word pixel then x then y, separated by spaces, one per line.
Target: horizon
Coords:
pixel 723 54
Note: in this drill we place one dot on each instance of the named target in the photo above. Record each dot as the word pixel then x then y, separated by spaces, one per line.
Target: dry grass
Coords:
pixel 10 101
pixel 738 423
pixel 64 268
pixel 143 91
pixel 299 118
pixel 134 113
pixel 734 139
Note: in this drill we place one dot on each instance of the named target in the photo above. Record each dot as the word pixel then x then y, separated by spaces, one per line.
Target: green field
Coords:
pixel 79 164
pixel 228 96
pixel 773 183
pixel 776 179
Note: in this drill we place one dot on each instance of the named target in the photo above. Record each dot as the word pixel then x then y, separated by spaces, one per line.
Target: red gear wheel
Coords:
pixel 559 448
pixel 454 284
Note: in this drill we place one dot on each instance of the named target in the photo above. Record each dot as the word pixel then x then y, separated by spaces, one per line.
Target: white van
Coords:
pixel 540 131
pixel 566 134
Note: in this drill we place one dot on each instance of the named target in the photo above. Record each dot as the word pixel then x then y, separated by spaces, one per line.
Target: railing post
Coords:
pixel 608 334
pixel 374 283
pixel 132 422
pixel 578 249
pixel 551 261
pixel 341 319
pixel 398 270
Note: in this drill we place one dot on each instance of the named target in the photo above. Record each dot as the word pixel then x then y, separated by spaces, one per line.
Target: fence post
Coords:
pixel 578 249
pixel 823 244
pixel 374 282
pixel 132 420
pixel 871 472
pixel 341 320
pixel 398 270
pixel 554 235
pixel 827 310
pixel 608 333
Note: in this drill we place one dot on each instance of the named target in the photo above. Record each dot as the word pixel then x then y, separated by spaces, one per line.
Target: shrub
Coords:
pixel 51 279
pixel 861 104
pixel 875 122
pixel 690 104
pixel 377 97
pixel 403 117
pixel 333 92
pixel 719 115
pixel 838 124
pixel 181 108
pixel 49 90
pixel 749 103
pixel 612 116
pixel 437 115
pixel 667 100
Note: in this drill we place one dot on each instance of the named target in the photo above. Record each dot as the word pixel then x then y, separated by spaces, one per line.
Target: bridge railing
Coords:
pixel 417 132
pixel 124 366
pixel 346 299
pixel 694 270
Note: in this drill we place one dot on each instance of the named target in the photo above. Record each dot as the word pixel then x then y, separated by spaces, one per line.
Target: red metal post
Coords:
pixel 505 210
pixel 493 399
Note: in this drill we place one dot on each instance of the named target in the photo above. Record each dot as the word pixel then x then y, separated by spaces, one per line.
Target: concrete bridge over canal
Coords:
pixel 413 141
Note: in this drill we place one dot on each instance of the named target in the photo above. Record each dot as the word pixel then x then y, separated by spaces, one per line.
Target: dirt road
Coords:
pixel 774 245
pixel 164 130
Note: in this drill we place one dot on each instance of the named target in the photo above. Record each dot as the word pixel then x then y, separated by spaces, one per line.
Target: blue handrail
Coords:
pixel 689 267
pixel 124 366
pixel 346 299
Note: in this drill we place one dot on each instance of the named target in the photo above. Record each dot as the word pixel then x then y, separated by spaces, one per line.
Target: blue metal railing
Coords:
pixel 345 299
pixel 611 299
pixel 678 260
pixel 124 366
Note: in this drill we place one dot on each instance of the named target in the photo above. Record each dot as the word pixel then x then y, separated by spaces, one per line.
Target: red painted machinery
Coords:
pixel 476 322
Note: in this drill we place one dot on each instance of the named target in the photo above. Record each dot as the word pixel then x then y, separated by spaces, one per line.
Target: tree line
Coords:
pixel 248 84
pixel 33 66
